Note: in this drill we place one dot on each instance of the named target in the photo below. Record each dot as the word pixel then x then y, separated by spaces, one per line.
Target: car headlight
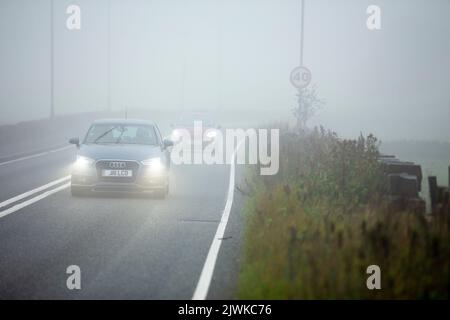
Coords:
pixel 154 162
pixel 83 162
pixel 154 166
pixel 211 134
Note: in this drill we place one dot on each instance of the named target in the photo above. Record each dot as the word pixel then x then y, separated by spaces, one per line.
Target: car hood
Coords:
pixel 119 151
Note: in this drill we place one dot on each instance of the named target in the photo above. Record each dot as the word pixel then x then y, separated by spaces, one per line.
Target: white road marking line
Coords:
pixel 201 291
pixel 33 200
pixel 34 155
pixel 31 192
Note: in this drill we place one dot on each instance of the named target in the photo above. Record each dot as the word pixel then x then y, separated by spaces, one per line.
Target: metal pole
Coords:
pixel 302 31
pixel 183 63
pixel 52 98
pixel 220 55
pixel 300 91
pixel 183 79
pixel 108 90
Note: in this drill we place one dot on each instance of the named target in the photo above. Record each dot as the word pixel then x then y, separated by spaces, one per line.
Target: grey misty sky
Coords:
pixel 234 55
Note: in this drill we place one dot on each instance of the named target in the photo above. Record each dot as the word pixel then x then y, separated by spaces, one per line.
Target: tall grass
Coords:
pixel 314 228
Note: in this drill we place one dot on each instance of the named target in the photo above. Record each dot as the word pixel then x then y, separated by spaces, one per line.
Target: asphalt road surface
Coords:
pixel 126 247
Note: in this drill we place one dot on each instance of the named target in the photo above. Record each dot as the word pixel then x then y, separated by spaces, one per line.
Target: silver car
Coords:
pixel 121 155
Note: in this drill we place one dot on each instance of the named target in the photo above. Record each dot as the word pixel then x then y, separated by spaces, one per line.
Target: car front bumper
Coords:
pixel 143 180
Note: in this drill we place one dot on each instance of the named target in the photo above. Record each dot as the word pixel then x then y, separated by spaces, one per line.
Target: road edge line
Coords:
pixel 204 282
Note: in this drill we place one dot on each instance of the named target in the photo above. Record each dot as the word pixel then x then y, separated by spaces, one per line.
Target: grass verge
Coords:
pixel 313 229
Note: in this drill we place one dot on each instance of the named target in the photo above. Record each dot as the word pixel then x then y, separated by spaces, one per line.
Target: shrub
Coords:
pixel 313 229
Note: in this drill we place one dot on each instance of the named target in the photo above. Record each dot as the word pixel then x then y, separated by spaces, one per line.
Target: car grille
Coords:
pixel 128 165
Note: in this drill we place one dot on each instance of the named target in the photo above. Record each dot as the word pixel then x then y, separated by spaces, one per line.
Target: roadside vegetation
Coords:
pixel 312 230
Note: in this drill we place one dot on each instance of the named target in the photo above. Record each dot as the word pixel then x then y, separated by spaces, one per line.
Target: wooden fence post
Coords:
pixel 432 182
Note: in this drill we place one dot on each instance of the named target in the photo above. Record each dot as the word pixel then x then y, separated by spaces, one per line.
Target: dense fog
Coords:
pixel 234 57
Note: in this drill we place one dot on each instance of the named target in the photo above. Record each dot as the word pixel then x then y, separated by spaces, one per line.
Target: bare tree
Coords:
pixel 308 103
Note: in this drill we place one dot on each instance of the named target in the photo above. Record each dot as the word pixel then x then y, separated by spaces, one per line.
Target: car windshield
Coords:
pixel 122 134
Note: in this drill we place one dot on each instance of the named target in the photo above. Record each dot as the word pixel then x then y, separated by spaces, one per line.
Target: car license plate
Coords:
pixel 117 173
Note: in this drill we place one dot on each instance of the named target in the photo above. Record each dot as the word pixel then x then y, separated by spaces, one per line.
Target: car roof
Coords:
pixel 124 121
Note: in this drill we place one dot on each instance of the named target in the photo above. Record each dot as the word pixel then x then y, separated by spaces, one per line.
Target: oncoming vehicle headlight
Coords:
pixel 211 134
pixel 176 135
pixel 154 164
pixel 83 162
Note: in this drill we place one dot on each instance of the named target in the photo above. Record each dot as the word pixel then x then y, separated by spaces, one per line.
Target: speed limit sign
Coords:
pixel 300 77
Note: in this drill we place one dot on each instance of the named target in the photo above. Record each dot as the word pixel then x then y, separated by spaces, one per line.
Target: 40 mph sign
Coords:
pixel 300 77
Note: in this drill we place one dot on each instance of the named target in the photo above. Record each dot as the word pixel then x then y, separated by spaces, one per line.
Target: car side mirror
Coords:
pixel 167 143
pixel 75 141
